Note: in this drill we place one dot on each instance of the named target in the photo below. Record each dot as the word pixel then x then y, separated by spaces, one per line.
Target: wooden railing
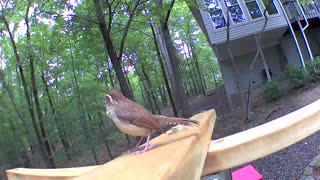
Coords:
pixel 176 156
pixel 190 154
pixel 294 12
pixel 255 143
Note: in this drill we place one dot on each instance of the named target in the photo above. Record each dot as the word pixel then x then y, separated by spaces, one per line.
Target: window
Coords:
pixel 215 13
pixel 235 11
pixel 253 9
pixel 271 8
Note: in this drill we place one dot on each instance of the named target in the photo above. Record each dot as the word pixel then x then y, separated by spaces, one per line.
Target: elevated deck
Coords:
pixel 247 19
pixel 294 11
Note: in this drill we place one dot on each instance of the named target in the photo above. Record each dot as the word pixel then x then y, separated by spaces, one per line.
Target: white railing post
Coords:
pixel 292 33
pixel 302 29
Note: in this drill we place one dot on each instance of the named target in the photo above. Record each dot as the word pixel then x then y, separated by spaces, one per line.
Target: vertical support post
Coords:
pixel 292 33
pixel 302 29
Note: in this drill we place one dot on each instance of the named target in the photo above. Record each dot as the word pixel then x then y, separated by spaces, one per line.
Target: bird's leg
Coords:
pixel 139 142
pixel 146 148
pixel 136 149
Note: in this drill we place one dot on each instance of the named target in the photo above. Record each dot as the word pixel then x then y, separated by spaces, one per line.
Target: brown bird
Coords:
pixel 133 119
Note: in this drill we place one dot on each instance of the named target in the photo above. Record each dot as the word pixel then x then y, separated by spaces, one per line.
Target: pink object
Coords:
pixel 246 173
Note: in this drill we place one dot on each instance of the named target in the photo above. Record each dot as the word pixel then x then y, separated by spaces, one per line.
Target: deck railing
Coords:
pixel 294 12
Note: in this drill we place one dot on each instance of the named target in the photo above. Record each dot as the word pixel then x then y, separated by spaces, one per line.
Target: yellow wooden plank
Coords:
pixel 35 174
pixel 255 143
pixel 176 156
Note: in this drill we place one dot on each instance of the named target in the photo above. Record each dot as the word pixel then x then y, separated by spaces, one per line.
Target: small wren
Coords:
pixel 135 120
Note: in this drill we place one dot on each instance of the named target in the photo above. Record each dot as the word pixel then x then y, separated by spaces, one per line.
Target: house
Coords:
pixel 291 36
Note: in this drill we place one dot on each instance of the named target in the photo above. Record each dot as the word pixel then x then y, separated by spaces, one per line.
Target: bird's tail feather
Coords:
pixel 166 121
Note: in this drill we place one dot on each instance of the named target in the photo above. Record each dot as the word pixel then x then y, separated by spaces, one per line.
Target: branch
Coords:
pixel 110 16
pixel 70 15
pixel 125 33
pixel 168 13
pixel 146 34
pixel 111 10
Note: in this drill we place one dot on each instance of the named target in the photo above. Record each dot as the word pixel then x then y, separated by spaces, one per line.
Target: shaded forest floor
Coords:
pixel 226 124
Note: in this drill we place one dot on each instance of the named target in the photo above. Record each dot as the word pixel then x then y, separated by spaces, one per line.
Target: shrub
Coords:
pixel 314 69
pixel 271 90
pixel 297 76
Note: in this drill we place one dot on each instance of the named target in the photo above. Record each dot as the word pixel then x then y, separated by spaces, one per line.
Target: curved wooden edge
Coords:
pixel 61 173
pixel 255 143
pixel 176 156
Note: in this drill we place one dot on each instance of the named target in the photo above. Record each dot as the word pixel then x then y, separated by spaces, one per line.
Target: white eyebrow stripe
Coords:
pixel 110 98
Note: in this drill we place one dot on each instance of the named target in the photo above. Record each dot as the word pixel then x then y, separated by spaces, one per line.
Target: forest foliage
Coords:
pixel 59 58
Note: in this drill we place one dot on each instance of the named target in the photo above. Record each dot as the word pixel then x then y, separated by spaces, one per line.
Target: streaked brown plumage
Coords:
pixel 133 119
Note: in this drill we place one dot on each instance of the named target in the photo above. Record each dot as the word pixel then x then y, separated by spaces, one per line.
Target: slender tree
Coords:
pixel 41 148
pixel 105 29
pixel 258 43
pixel 172 61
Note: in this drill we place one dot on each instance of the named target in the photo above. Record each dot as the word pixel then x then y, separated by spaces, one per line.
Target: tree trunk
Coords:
pixel 198 72
pixel 46 162
pixel 103 135
pixel 93 145
pixel 235 70
pixel 35 91
pixel 146 87
pixel 142 90
pixel 128 81
pixel 192 54
pixel 163 96
pixel 115 59
pixel 59 123
pixel 192 74
pixel 163 71
pixel 175 77
pixel 19 113
pixel 170 55
pixel 214 76
pixel 152 94
pixel 83 121
pixel 19 138
pixel 110 74
pixel 258 43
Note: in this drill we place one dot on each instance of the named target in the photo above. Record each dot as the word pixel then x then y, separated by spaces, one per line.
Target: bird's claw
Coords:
pixel 143 151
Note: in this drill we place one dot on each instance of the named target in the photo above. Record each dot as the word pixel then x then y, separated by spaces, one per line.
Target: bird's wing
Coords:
pixel 146 121
pixel 165 121
pixel 135 117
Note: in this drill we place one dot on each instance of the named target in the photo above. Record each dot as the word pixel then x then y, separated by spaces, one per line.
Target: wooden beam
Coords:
pixel 176 156
pixel 47 174
pixel 255 143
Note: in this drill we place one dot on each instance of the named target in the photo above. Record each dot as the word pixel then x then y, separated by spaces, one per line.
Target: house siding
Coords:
pixel 250 27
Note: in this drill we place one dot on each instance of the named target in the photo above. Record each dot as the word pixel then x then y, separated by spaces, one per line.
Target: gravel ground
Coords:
pixel 289 163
